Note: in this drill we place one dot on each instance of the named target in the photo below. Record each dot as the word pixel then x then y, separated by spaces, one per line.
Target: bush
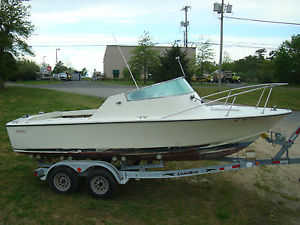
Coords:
pixel 127 76
pixel 26 70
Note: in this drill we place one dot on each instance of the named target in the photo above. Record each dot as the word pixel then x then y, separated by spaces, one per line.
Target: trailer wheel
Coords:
pixel 63 180
pixel 100 183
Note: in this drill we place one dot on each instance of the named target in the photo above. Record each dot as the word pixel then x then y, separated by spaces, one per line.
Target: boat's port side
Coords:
pixel 102 177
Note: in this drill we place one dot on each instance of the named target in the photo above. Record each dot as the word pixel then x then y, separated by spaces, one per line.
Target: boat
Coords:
pixel 164 121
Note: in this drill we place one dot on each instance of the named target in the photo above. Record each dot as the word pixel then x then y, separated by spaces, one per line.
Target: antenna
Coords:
pixel 178 58
pixel 125 62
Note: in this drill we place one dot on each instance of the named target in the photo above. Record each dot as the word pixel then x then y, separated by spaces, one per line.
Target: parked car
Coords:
pixel 63 76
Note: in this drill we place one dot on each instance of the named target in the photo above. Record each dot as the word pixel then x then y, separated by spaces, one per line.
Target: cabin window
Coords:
pixel 177 86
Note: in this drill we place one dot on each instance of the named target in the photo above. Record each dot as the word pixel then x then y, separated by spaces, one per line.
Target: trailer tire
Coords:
pixel 63 180
pixel 100 183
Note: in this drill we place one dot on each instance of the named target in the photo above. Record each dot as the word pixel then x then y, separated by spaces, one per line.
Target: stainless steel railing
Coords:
pixel 251 88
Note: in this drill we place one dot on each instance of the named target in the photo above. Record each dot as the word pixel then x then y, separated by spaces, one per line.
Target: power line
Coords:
pixel 263 21
pixel 162 43
pixel 54 46
pixel 242 45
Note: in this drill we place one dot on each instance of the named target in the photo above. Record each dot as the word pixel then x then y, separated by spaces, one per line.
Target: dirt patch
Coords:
pixel 279 183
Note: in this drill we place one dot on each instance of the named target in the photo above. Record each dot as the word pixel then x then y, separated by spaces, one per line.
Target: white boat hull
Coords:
pixel 139 135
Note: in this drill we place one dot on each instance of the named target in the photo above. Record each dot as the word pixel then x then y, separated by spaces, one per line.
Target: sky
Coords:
pixel 81 29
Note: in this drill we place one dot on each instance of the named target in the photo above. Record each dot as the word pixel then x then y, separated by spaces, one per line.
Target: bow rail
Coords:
pixel 251 88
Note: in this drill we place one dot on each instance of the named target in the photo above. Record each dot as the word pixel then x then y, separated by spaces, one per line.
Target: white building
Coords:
pixel 113 63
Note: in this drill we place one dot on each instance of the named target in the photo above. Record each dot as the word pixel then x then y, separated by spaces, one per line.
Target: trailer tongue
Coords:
pixel 102 177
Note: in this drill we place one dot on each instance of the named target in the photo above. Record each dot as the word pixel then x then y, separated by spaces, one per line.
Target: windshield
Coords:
pixel 177 86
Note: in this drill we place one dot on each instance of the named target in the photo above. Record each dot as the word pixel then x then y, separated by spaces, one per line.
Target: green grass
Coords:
pixel 209 199
pixel 39 82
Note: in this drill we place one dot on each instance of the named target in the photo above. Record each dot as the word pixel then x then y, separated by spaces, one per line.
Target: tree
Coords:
pixel 247 68
pixel 287 61
pixel 169 67
pixel 84 72
pixel 255 68
pixel 144 58
pixel 227 63
pixel 15 29
pixel 261 53
pixel 61 68
pixel 204 56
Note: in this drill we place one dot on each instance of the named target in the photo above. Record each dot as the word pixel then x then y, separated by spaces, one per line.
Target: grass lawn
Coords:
pixel 210 199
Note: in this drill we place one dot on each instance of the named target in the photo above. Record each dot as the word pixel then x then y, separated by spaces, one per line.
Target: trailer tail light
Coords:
pixel 236 166
pixel 284 161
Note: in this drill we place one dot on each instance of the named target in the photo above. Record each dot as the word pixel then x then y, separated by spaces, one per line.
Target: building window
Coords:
pixel 116 73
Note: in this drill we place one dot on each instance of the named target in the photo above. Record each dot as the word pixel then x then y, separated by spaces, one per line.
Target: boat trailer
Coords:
pixel 102 177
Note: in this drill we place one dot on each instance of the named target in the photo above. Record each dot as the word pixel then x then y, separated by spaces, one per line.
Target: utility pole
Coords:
pixel 44 60
pixel 220 8
pixel 185 24
pixel 56 55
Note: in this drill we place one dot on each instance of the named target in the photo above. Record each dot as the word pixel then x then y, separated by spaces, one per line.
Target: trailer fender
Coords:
pixel 81 167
